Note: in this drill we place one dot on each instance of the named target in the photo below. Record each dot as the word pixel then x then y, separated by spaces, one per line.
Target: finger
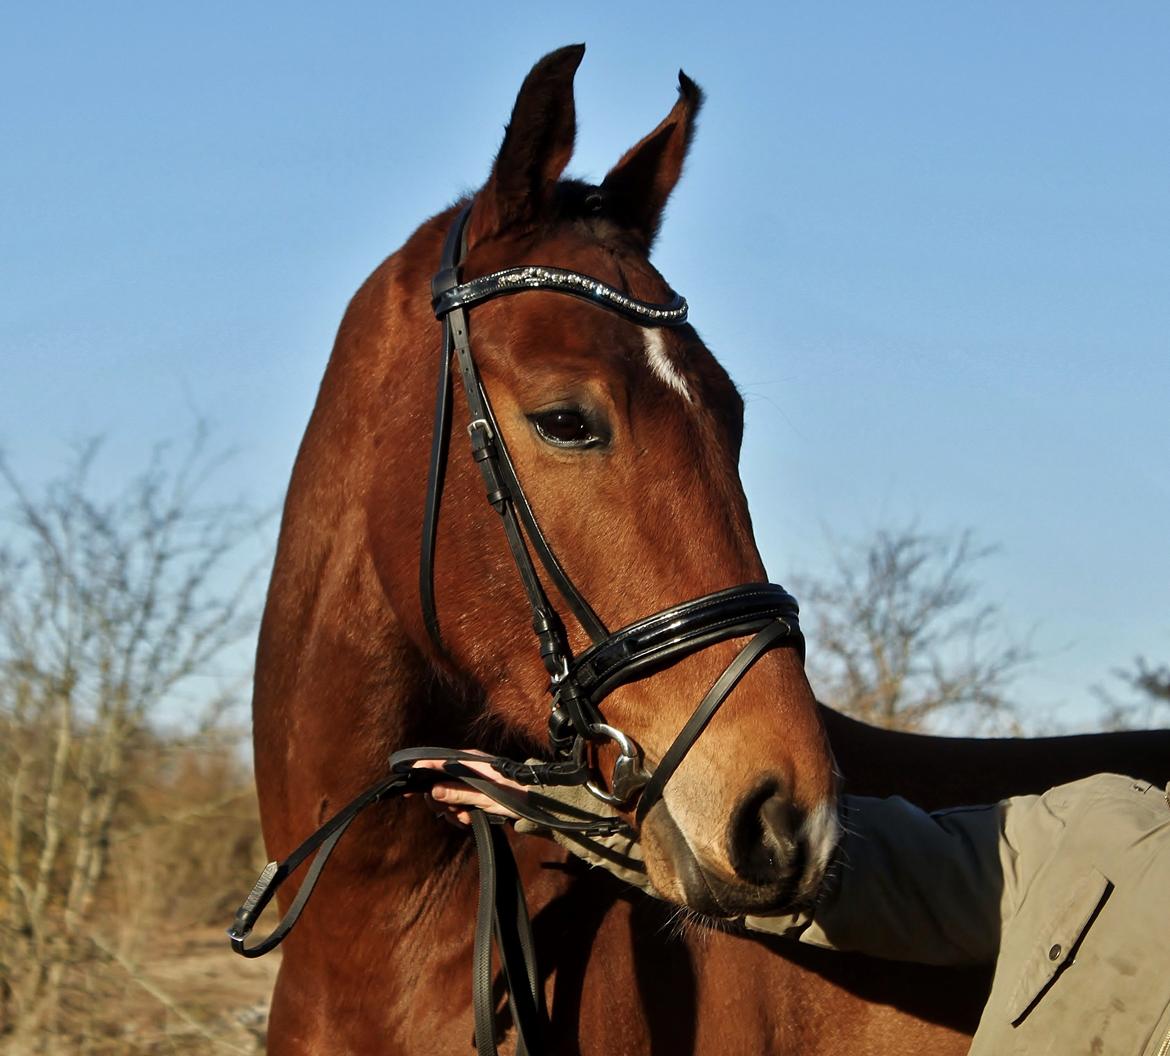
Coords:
pixel 460 796
pixel 490 773
pixel 456 816
pixel 452 818
pixel 483 769
pixel 447 813
pixel 427 764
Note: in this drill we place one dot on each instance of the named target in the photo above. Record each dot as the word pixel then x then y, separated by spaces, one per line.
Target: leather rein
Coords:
pixel 577 683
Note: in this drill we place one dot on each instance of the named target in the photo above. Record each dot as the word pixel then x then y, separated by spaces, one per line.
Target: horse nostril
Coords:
pixel 763 843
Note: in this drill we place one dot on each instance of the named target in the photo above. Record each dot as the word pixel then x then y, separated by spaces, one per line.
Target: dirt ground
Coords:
pixel 192 995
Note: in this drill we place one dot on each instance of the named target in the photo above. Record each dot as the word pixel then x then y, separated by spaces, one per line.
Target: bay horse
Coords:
pixel 627 440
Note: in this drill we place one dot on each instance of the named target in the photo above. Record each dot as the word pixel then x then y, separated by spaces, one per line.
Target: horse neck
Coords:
pixel 339 683
pixel 333 657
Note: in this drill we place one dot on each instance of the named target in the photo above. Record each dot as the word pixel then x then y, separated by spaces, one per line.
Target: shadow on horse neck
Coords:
pixel 626 439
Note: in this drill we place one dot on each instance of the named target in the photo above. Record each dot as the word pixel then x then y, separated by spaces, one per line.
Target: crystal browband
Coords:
pixel 539 277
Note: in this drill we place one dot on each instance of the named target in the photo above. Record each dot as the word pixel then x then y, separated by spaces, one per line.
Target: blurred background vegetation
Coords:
pixel 127 816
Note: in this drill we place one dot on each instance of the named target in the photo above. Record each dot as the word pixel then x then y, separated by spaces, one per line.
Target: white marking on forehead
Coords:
pixel 661 365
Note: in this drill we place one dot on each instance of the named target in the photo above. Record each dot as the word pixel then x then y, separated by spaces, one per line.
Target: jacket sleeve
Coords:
pixel 910 885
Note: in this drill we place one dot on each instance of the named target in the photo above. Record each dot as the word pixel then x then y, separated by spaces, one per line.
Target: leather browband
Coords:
pixel 558 280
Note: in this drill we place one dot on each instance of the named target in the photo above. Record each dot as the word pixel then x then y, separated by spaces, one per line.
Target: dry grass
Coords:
pixel 149 970
pixel 188 994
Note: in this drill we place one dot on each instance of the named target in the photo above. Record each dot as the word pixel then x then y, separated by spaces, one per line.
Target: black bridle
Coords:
pixel 578 684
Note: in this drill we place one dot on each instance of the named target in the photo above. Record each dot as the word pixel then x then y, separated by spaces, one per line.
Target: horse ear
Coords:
pixel 637 187
pixel 538 143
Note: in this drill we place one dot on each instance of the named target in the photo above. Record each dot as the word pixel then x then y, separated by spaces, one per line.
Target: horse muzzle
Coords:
pixel 773 857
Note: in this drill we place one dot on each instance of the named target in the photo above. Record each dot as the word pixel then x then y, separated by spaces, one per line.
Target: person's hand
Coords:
pixel 453 801
pixel 619 854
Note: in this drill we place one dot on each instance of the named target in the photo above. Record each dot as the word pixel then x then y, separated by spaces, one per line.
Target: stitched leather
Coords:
pixel 558 280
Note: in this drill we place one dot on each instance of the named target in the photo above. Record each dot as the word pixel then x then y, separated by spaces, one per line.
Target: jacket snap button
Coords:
pixel 1054 953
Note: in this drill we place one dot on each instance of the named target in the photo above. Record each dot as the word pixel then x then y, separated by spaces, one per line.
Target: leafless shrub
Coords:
pixel 112 610
pixel 1148 702
pixel 899 637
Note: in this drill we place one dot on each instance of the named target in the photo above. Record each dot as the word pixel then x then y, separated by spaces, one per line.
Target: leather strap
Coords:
pixel 535 808
pixel 446 278
pixel 582 610
pixel 436 467
pixel 504 491
pixel 503 914
pixel 657 641
pixel 323 842
pixel 775 634
pixel 558 280
pixel 405 777
pixel 503 911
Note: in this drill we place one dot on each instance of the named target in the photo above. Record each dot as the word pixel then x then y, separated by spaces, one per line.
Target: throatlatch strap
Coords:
pixel 440 441
pixel 445 279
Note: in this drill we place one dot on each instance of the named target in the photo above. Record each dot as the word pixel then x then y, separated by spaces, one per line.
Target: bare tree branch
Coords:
pixel 1151 705
pixel 900 639
pixel 111 605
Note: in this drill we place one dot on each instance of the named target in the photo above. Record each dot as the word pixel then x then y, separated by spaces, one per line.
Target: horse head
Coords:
pixel 626 439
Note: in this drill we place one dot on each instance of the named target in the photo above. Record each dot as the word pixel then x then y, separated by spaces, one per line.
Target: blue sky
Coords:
pixel 930 242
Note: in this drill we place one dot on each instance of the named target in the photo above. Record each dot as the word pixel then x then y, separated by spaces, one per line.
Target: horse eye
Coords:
pixel 564 427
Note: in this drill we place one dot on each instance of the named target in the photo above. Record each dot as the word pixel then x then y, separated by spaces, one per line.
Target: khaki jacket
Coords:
pixel 1067 893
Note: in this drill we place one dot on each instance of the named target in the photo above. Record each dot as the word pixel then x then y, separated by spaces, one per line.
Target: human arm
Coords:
pixel 905 884
pixel 908 885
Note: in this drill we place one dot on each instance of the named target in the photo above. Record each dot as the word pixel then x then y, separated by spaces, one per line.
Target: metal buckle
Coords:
pixel 629 775
pixel 480 423
pixel 557 677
